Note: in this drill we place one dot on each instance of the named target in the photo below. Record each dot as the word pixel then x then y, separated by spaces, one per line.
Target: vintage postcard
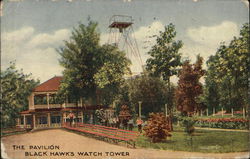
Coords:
pixel 124 79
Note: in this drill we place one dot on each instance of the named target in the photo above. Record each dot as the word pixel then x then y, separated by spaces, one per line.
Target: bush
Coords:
pixel 188 123
pixel 157 128
pixel 225 123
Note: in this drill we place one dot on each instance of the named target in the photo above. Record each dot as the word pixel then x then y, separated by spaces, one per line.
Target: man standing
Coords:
pixel 71 118
pixel 139 122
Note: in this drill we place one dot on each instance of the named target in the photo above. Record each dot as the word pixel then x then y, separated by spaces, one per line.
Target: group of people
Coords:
pixel 127 124
pixel 116 122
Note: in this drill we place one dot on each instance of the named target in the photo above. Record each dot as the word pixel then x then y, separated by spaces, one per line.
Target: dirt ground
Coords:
pixel 61 144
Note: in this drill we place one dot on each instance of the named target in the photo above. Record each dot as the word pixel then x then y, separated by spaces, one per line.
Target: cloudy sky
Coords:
pixel 32 30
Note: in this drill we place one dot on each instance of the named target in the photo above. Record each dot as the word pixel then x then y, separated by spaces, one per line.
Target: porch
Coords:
pixel 50 119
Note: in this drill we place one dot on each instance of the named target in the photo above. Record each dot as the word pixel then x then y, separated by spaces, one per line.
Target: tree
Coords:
pixel 189 88
pixel 164 55
pixel 151 91
pixel 90 67
pixel 157 128
pixel 15 89
pixel 228 73
pixel 165 58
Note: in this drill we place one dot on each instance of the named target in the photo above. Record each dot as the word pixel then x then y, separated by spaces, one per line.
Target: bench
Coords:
pixel 104 132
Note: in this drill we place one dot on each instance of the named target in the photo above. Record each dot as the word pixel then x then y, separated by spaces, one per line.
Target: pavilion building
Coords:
pixel 45 111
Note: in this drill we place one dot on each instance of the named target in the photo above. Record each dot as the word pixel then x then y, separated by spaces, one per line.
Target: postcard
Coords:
pixel 124 79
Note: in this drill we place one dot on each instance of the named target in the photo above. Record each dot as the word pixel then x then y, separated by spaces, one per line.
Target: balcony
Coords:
pixel 45 106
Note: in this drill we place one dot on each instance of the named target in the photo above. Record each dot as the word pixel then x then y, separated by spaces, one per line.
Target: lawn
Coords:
pixel 202 141
pixel 12 131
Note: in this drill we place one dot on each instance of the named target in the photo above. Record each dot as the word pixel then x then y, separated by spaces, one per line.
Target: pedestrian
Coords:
pixel 139 123
pixel 130 124
pixel 71 118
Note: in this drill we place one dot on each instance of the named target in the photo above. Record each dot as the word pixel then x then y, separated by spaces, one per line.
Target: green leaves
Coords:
pixel 91 67
pixel 165 56
pixel 16 87
pixel 227 74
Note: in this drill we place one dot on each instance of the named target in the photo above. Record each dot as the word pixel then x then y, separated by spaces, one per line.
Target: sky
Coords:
pixel 32 30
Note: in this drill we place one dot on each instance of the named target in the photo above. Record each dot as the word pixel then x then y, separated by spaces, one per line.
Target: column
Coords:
pixel 232 111
pixel 18 121
pixel 48 100
pixel 213 111
pixel 24 121
pixel 34 121
pixel 49 119
pixel 31 101
pixel 82 116
pixel 207 111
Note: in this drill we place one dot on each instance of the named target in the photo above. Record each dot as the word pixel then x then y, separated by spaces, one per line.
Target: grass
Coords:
pixel 202 141
pixel 11 131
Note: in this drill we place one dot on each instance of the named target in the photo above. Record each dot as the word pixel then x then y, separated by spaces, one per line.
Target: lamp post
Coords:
pixel 140 102
pixel 166 109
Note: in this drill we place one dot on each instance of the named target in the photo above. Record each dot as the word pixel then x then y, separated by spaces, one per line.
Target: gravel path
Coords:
pixel 64 141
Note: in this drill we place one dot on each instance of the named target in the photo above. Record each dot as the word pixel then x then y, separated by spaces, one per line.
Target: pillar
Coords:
pixel 24 121
pixel 232 111
pixel 48 100
pixel 34 121
pixel 213 111
pixel 49 119
pixel 82 116
pixel 207 111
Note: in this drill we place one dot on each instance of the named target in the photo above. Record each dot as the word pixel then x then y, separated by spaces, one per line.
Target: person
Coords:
pixel 130 124
pixel 139 123
pixel 71 118
pixel 117 123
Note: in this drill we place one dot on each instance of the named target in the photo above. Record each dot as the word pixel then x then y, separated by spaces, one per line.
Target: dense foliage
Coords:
pixel 189 87
pixel 165 58
pixel 225 123
pixel 157 128
pixel 228 73
pixel 15 89
pixel 164 55
pixel 152 91
pixel 91 68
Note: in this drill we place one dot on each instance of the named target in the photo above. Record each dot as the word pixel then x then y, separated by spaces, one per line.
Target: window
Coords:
pixel 29 120
pixel 42 120
pixel 55 119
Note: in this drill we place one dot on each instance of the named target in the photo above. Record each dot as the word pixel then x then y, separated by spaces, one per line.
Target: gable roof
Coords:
pixel 49 85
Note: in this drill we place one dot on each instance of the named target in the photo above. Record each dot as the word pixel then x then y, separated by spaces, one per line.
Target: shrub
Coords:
pixel 157 128
pixel 226 123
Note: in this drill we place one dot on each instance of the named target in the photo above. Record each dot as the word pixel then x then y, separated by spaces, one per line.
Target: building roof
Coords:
pixel 49 85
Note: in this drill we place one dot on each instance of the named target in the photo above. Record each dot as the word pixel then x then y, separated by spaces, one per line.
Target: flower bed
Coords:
pixel 225 123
